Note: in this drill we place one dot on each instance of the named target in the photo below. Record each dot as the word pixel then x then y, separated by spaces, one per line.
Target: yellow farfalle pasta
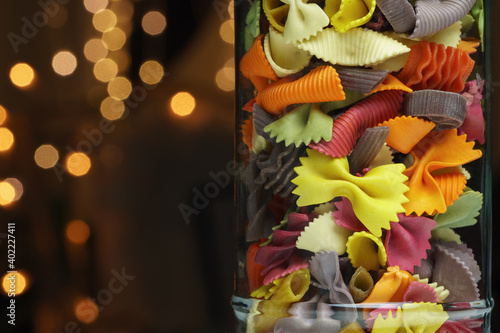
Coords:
pixel 347 14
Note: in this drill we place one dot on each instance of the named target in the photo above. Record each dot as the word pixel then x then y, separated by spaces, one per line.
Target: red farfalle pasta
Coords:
pixel 322 84
pixel 255 66
pixel 348 127
pixel 434 66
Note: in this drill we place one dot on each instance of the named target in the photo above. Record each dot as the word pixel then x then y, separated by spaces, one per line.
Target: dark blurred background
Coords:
pixel 119 240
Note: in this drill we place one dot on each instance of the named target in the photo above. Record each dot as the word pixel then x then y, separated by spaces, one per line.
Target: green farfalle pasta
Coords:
pixel 376 197
pixel 463 212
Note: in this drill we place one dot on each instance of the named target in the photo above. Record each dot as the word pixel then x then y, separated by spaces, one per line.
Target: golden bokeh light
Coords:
pixel 78 164
pixel 105 70
pixel 154 23
pixel 119 88
pixel 114 39
pixel 227 31
pixel 112 109
pixel 122 59
pixel 104 20
pixel 46 156
pixel 22 75
pixel 7 193
pixel 64 63
pixel 151 72
pixel 15 283
pixel 225 79
pixel 77 232
pixel 95 50
pixel 183 103
pixel 6 139
pixel 94 6
pixel 86 311
pixel 230 8
pixel 123 9
pixel 18 187
pixel 3 114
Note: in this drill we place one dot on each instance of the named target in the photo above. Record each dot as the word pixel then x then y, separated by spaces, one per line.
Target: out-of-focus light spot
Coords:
pixel 105 70
pixel 3 115
pixel 119 88
pixel 154 23
pixel 18 187
pixel 104 20
pixel 77 232
pixel 227 31
pixel 122 59
pixel 46 156
pixel 95 50
pixel 124 10
pixel 111 156
pixel 6 139
pixel 78 164
pixel 64 63
pixel 22 75
pixel 225 79
pixel 112 109
pixel 94 6
pixel 151 72
pixel 114 39
pixel 183 103
pixel 229 63
pixel 86 311
pixel 7 193
pixel 14 283
pixel 230 9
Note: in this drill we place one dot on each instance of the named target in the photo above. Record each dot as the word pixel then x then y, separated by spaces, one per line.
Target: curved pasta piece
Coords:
pixel 403 19
pixel 473 124
pixel 383 157
pixel 423 317
pixel 322 84
pixel 436 151
pixel 433 16
pixel 391 323
pixel 420 292
pixel 348 14
pixel 276 13
pixel 247 132
pixel 391 83
pixel 255 279
pixel 366 250
pixel 304 20
pixel 405 132
pixel 391 287
pixel 469 44
pixel 344 216
pixel 361 284
pixel 462 326
pixel 255 66
pixel 350 126
pixel 335 47
pixel 367 148
pixel 260 120
pixel 451 184
pixel 361 80
pixel 441 292
pixel 252 28
pixel 351 97
pixel 376 197
pixel 463 212
pixel 293 287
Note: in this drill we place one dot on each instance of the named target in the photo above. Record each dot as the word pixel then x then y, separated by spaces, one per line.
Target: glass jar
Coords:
pixel 362 137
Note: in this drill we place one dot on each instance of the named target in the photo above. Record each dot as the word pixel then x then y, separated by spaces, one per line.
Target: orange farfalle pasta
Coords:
pixel 438 150
pixel 322 84
pixel 469 44
pixel 391 83
pixel 405 132
pixel 255 66
pixel 391 287
pixel 452 184
pixel 432 66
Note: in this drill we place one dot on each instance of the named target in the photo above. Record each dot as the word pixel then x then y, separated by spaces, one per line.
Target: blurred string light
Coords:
pixel 105 70
pixel 6 139
pixel 121 58
pixel 104 20
pixel 77 232
pixel 7 193
pixel 64 63
pixel 119 88
pixel 95 50
pixel 18 188
pixel 225 78
pixel 227 31
pixel 183 103
pixel 22 75
pixel 3 114
pixel 151 72
pixel 19 285
pixel 94 6
pixel 114 39
pixel 46 156
pixel 154 23
pixel 112 109
pixel 124 10
pixel 78 164
pixel 86 311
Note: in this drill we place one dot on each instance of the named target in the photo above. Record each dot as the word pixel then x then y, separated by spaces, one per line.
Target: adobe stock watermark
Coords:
pixel 86 312
pixel 31 27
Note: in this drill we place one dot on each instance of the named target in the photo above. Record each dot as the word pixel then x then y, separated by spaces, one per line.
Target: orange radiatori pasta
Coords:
pixel 255 66
pixel 322 84
pixel 434 66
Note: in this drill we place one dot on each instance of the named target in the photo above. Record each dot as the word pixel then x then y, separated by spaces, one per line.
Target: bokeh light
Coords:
pixel 112 109
pixel 105 70
pixel 64 63
pixel 94 6
pixel 123 9
pixel 22 75
pixel 77 232
pixel 46 156
pixel 6 139
pixel 78 164
pixel 154 23
pixel 151 72
pixel 225 79
pixel 183 103
pixel 230 8
pixel 95 50
pixel 119 88
pixel 3 114
pixel 122 59
pixel 86 311
pixel 18 187
pixel 227 31
pixel 104 20
pixel 7 193
pixel 17 285
pixel 114 39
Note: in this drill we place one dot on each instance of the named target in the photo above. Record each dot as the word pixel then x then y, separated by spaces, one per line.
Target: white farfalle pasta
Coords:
pixel 304 20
